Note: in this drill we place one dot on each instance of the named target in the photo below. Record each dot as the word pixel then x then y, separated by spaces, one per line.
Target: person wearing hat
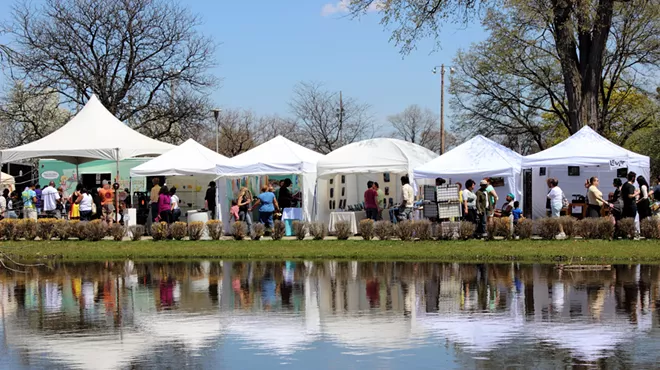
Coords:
pixel 482 207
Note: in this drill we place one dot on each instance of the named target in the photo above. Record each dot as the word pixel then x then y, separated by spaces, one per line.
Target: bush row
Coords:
pixel 545 228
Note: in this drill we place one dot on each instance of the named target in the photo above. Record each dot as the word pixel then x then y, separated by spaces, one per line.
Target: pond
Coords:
pixel 329 315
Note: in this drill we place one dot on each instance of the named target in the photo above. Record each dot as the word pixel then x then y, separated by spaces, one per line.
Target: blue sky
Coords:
pixel 266 47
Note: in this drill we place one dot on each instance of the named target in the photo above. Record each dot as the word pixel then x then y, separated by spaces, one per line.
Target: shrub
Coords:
pixel 258 231
pixel 367 229
pixel 27 228
pixel 62 230
pixel 343 230
pixel 8 229
pixel 318 230
pixel 299 229
pixel 278 230
pixel 95 230
pixel 626 228
pixel 525 228
pixel 650 228
pixel 77 229
pixel 466 230
pixel 117 231
pixel 178 230
pixel 46 228
pixel 449 230
pixel 239 230
pixel 587 228
pixel 384 230
pixel 501 227
pixel 137 231
pixel 606 228
pixel 159 231
pixel 195 230
pixel 404 230
pixel 569 224
pixel 214 228
pixel 548 228
pixel 423 229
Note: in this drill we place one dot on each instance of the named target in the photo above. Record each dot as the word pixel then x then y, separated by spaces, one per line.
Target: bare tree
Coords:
pixel 144 59
pixel 417 125
pixel 27 114
pixel 326 119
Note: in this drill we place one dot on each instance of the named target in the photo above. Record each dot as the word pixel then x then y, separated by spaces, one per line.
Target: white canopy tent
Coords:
pixel 383 160
pixel 189 159
pixel 595 155
pixel 7 182
pixel 475 159
pixel 278 156
pixel 92 134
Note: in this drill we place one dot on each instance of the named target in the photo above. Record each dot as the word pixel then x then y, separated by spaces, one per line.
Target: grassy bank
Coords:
pixel 569 251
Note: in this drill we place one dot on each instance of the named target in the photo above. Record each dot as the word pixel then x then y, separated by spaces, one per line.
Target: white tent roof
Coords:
pixel 374 156
pixel 278 156
pixel 475 156
pixel 585 148
pixel 188 159
pixel 94 133
pixel 6 180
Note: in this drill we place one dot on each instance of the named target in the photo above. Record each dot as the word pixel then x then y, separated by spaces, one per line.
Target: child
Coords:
pixel 517 212
pixel 233 211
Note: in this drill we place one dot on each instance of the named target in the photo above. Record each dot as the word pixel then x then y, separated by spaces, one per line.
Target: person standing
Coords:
pixel 164 205
pixel 50 198
pixel 40 203
pixel 210 200
pixel 595 199
pixel 107 194
pixel 381 200
pixel 284 198
pixel 371 201
pixel 556 196
pixel 482 207
pixel 85 202
pixel 629 193
pixel 176 209
pixel 644 201
pixel 407 199
pixel 244 201
pixel 153 197
pixel 29 197
pixel 267 206
pixel 470 202
pixel 75 205
pixel 617 201
pixel 492 199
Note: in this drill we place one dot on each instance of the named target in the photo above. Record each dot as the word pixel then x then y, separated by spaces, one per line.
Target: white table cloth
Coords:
pixel 352 217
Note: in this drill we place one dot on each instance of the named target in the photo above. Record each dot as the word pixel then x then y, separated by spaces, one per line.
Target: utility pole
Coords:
pixel 340 117
pixel 442 109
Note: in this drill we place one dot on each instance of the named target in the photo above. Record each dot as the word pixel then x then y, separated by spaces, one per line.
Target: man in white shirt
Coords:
pixel 407 199
pixel 50 197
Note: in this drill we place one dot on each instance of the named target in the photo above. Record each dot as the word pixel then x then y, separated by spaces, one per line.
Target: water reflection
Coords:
pixel 127 315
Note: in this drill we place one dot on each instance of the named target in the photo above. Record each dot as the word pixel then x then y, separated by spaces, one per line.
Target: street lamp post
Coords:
pixel 216 116
pixel 442 103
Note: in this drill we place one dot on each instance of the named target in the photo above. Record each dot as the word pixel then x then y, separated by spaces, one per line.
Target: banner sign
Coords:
pixel 615 164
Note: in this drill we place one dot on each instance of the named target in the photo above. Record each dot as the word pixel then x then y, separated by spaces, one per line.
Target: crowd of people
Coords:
pixel 375 201
pixel 53 202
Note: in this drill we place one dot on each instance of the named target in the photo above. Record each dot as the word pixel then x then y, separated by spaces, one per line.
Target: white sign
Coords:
pixel 616 164
pixel 50 175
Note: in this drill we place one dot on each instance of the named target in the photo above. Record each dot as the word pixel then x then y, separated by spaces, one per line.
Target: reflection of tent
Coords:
pixel 94 133
pixel 595 155
pixel 282 334
pixel 371 334
pixel 363 161
pixel 194 331
pixel 188 159
pixel 278 156
pixel 477 158
pixel 7 182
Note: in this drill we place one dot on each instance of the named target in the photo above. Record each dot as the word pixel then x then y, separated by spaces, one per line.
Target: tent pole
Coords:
pixel 78 174
pixel 116 191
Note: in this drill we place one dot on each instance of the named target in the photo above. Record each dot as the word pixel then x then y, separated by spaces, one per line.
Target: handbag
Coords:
pixel 93 208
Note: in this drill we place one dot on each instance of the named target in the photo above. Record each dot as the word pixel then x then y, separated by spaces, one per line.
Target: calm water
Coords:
pixel 329 315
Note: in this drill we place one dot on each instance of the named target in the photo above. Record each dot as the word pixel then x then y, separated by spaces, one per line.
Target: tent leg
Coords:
pixel 78 174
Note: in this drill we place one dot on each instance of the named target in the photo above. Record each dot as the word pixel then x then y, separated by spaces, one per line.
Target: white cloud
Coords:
pixel 342 7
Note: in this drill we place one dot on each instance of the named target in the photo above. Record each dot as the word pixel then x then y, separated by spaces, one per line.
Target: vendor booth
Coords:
pixel 343 176
pixel 189 168
pixel 576 159
pixel 92 134
pixel 476 159
pixel 269 163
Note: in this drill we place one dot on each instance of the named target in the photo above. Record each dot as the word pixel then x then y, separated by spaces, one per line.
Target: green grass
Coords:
pixel 569 251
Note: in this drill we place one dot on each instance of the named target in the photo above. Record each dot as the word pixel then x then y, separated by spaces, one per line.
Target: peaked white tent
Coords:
pixel 475 159
pixel 278 156
pixel 351 166
pixel 188 159
pixel 7 181
pixel 94 133
pixel 595 155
